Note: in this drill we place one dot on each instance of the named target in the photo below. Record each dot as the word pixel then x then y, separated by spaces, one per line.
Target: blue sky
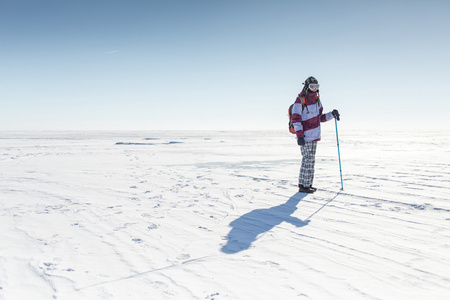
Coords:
pixel 203 64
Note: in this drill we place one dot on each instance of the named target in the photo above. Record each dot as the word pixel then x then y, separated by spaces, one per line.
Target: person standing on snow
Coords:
pixel 306 118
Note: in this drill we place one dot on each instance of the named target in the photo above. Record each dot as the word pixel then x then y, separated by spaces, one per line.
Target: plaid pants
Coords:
pixel 309 158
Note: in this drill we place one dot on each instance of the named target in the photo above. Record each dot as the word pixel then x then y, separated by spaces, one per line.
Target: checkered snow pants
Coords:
pixel 309 158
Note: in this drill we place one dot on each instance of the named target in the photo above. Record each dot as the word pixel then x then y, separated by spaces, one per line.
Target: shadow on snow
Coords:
pixel 246 228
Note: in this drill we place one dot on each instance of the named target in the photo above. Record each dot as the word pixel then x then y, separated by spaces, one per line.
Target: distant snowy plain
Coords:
pixel 216 215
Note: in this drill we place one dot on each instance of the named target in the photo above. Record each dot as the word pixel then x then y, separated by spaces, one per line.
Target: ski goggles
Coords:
pixel 314 86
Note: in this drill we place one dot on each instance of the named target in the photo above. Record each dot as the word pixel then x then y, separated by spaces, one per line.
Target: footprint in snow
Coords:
pixel 204 228
pixel 49 266
pixel 183 256
pixel 211 297
pixel 152 226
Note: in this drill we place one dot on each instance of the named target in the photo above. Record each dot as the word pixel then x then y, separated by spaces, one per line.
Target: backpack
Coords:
pixel 291 124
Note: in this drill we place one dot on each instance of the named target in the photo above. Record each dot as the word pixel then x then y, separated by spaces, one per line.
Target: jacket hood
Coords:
pixel 303 92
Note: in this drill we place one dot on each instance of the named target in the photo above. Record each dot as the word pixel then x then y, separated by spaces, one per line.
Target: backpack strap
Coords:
pixel 303 102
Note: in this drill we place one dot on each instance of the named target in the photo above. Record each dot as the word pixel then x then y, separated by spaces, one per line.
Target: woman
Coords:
pixel 307 114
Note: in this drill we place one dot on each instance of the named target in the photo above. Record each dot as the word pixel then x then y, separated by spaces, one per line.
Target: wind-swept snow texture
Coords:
pixel 216 215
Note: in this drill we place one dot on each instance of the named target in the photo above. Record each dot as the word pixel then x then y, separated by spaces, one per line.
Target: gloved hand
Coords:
pixel 300 141
pixel 335 114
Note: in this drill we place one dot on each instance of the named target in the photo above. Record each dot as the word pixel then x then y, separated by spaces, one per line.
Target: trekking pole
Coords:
pixel 339 155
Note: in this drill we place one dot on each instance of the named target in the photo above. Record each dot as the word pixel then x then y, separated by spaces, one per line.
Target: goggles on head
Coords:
pixel 314 86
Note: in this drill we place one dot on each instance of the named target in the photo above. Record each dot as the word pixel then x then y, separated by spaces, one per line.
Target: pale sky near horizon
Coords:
pixel 203 64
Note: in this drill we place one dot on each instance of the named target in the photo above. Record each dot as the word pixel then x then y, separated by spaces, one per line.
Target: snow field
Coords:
pixel 215 215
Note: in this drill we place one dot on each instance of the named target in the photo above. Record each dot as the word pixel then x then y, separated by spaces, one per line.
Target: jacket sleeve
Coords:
pixel 297 120
pixel 326 117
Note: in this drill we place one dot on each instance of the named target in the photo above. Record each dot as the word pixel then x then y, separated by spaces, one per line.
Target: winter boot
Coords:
pixel 305 189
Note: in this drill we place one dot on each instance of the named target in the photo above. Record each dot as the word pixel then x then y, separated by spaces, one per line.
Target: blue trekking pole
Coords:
pixel 339 154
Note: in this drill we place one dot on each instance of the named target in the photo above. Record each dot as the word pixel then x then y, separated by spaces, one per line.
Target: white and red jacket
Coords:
pixel 307 116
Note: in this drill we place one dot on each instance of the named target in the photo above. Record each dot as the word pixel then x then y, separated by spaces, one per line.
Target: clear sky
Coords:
pixel 211 64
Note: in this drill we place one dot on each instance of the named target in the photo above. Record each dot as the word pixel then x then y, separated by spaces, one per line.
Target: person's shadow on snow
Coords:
pixel 246 228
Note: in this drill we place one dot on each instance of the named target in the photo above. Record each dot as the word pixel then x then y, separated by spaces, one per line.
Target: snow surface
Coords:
pixel 215 215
